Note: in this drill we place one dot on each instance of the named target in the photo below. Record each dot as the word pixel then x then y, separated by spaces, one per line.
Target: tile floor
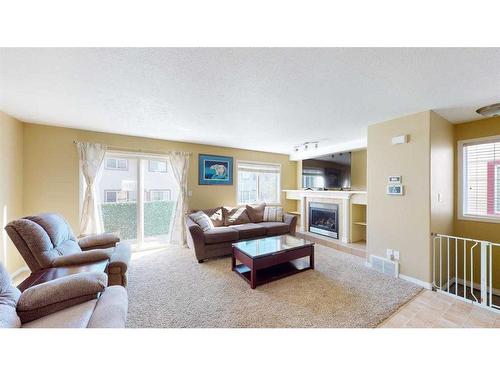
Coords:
pixel 435 310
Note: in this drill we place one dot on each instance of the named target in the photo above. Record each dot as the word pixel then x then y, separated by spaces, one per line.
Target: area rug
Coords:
pixel 169 289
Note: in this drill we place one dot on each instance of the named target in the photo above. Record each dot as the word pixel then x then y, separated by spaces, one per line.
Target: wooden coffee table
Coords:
pixel 267 259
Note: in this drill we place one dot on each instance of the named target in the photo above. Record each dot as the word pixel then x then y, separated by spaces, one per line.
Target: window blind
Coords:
pixel 481 179
pixel 258 168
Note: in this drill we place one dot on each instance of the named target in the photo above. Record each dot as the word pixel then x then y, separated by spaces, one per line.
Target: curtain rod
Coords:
pixel 118 148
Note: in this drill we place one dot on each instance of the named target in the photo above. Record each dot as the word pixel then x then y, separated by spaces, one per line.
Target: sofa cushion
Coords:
pixel 275 228
pixel 249 230
pixel 9 296
pixel 256 213
pixel 273 213
pixel 222 234
pixel 202 220
pixel 55 295
pixel 56 227
pixel 235 216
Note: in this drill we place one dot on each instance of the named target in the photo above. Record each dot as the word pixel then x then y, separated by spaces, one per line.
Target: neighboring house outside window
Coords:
pixel 258 182
pixel 160 195
pixel 116 164
pixel 480 179
pixel 157 166
pixel 115 196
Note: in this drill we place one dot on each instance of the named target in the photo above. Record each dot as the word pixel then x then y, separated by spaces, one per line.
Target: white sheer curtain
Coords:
pixel 91 161
pixel 180 167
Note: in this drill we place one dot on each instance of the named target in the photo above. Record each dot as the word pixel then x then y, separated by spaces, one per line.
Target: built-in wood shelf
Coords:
pixel 294 213
pixel 359 223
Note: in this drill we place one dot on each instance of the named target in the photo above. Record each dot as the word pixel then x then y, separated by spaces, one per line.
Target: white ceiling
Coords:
pixel 267 99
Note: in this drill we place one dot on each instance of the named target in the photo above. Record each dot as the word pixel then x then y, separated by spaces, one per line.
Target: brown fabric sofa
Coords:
pixel 218 241
pixel 46 240
pixel 77 301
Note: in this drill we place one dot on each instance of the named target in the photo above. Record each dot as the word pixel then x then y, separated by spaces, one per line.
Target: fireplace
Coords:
pixel 324 219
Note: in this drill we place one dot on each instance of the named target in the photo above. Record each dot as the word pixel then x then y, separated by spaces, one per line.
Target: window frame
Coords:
pixel 278 195
pixel 157 161
pixel 462 176
pixel 111 191
pixel 117 168
pixel 168 192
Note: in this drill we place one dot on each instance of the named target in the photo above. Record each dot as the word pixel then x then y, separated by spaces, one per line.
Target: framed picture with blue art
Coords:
pixel 215 170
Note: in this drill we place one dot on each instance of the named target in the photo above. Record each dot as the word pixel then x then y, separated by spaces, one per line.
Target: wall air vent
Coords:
pixel 384 265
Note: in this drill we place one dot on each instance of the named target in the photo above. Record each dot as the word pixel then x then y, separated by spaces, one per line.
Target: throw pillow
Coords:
pixel 215 214
pixel 256 213
pixel 236 215
pixel 274 213
pixel 202 220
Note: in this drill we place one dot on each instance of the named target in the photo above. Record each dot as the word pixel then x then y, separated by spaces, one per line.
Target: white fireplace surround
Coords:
pixel 343 198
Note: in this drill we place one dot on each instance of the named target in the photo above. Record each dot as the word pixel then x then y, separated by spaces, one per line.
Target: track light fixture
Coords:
pixel 305 146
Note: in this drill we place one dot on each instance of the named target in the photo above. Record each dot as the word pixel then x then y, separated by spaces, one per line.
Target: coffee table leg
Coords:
pixel 253 278
pixel 311 259
pixel 233 261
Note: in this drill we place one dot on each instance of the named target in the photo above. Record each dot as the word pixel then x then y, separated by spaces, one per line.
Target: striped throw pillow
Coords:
pixel 273 213
pixel 202 220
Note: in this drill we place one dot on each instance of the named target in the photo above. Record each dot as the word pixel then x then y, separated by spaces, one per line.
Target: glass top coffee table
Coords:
pixel 266 259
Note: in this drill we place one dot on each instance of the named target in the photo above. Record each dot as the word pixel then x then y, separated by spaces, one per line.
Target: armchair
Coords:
pixel 46 240
pixel 77 301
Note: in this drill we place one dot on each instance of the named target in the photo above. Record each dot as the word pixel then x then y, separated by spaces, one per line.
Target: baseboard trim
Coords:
pixel 413 280
pixel 19 271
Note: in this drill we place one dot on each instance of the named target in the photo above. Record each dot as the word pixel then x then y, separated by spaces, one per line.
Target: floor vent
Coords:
pixel 384 265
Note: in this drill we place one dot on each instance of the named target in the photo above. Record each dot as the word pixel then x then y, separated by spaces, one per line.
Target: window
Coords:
pixel 480 179
pixel 159 195
pixel 116 164
pixel 115 196
pixel 157 166
pixel 258 182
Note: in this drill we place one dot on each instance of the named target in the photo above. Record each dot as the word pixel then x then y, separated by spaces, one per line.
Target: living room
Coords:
pixel 151 189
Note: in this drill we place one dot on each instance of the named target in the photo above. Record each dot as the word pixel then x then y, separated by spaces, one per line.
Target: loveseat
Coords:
pixel 77 301
pixel 231 225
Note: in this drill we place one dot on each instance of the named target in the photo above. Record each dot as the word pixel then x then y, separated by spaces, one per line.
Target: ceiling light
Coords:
pixel 490 110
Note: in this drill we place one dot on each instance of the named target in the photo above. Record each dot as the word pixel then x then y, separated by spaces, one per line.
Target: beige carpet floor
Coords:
pixel 170 289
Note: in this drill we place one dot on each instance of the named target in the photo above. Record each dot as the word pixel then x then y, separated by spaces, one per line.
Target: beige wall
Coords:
pixel 358 170
pixel 466 228
pixel 11 185
pixel 442 139
pixel 52 180
pixel 401 222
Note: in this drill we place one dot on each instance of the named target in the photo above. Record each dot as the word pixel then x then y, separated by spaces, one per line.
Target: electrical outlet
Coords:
pixel 389 253
pixel 395 254
pixel 190 193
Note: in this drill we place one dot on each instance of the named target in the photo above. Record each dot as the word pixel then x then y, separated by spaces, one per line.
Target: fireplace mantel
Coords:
pixel 345 198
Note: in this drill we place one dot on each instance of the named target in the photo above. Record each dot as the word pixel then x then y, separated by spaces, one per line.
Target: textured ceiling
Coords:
pixel 267 99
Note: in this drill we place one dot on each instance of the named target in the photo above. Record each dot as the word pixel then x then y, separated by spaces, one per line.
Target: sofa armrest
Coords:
pixel 55 295
pixel 89 256
pixel 98 241
pixel 195 238
pixel 120 258
pixel 111 309
pixel 291 220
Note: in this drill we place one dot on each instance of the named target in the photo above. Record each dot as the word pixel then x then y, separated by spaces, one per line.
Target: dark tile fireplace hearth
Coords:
pixel 324 219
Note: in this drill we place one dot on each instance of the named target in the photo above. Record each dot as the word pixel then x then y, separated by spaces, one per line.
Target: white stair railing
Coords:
pixel 466 264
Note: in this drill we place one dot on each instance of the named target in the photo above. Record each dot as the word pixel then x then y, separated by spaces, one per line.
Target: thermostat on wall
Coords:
pixel 395 189
pixel 395 179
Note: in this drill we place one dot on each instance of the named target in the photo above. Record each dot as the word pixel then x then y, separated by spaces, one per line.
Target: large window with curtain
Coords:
pixel 479 194
pixel 258 182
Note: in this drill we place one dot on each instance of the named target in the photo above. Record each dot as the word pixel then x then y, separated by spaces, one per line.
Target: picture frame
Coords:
pixel 215 170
